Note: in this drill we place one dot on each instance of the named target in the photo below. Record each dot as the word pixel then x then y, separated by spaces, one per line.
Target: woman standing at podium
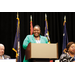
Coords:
pixel 34 38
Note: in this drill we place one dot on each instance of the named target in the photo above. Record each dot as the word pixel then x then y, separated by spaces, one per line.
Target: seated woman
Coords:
pixel 2 55
pixel 69 55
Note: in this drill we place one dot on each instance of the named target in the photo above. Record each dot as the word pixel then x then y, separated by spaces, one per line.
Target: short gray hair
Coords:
pixel 2 45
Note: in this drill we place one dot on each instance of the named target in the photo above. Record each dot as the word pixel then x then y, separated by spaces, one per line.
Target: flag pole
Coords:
pixel 66 32
pixel 18 22
pixel 17 39
pixel 45 16
pixel 17 15
pixel 30 17
pixel 30 23
pixel 46 29
pixel 64 20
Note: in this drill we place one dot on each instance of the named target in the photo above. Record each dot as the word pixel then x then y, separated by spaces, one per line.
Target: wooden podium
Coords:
pixel 41 51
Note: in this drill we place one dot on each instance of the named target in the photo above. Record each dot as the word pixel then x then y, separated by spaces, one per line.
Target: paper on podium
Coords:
pixel 7 60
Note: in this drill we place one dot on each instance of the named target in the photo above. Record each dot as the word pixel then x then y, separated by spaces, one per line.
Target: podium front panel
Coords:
pixel 44 50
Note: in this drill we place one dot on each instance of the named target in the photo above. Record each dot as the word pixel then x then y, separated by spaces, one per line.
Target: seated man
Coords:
pixel 2 55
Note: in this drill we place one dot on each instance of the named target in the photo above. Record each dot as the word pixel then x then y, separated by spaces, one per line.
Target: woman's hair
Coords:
pixel 39 28
pixel 68 46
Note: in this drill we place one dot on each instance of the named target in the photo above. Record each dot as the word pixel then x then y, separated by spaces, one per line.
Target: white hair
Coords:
pixel 2 45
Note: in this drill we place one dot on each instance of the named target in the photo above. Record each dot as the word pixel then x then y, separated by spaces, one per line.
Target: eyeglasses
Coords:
pixel 72 47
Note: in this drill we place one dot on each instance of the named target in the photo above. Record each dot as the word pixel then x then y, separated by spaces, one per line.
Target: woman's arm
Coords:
pixel 26 42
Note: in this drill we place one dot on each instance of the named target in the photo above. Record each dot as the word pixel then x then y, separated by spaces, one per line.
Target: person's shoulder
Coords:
pixel 29 35
pixel 63 55
pixel 7 56
pixel 43 36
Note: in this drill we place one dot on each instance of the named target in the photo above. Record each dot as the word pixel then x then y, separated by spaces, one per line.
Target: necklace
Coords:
pixel 37 41
pixel 37 38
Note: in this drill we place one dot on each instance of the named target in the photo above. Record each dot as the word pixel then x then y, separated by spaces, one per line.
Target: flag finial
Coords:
pixel 17 15
pixel 65 18
pixel 45 16
pixel 30 17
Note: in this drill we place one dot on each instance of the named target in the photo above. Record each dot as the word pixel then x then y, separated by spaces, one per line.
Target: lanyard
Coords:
pixel 37 41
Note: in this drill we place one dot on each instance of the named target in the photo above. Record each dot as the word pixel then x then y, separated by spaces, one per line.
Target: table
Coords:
pixel 7 60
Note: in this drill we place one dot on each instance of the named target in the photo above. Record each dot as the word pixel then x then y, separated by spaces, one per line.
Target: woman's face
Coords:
pixel 72 49
pixel 36 31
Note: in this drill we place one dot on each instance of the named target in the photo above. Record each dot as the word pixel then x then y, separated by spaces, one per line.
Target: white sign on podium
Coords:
pixel 7 60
